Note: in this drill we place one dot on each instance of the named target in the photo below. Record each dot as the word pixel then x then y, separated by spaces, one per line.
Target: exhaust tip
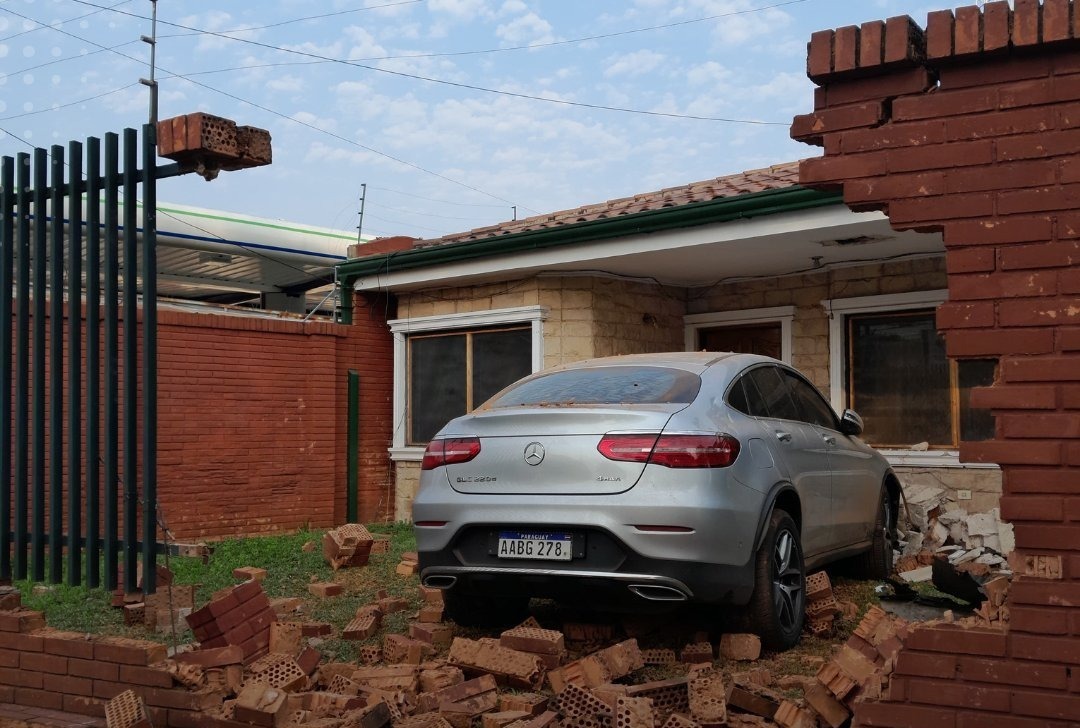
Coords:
pixel 439 581
pixel 657 593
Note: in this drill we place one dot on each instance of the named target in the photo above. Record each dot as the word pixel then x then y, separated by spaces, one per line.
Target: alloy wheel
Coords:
pixel 787 580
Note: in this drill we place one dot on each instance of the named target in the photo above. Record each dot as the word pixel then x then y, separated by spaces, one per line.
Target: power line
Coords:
pixel 61 22
pixel 68 58
pixel 454 84
pixel 299 20
pixel 433 199
pixel 70 103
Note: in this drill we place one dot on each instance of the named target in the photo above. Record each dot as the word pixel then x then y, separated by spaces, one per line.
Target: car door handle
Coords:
pixel 783 436
pixel 829 440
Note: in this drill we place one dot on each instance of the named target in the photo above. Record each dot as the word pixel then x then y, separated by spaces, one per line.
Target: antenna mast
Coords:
pixel 151 40
pixel 360 226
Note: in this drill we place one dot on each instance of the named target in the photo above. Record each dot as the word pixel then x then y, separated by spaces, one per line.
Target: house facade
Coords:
pixel 749 262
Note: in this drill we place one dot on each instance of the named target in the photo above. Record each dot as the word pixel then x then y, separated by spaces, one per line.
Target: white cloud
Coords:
pixel 364 44
pixel 524 30
pixel 709 72
pixel 461 9
pixel 633 64
pixel 287 83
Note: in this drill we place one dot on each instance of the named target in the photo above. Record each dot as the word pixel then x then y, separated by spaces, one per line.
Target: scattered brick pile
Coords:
pixel 213 142
pixel 348 545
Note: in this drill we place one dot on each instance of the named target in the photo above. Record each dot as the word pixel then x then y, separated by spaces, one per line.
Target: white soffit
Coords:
pixel 772 245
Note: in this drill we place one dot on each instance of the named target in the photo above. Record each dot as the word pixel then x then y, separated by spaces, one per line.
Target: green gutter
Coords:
pixel 723 209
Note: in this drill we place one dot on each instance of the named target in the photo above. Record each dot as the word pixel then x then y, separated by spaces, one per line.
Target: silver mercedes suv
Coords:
pixel 658 478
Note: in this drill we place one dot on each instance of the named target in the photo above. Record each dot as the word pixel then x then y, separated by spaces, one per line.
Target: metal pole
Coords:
pixel 93 360
pixel 56 367
pixel 149 370
pixel 22 362
pixel 112 358
pixel 37 458
pixel 74 434
pixel 7 272
pixel 352 443
pixel 131 362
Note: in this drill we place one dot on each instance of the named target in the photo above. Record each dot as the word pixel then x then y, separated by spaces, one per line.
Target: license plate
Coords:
pixel 530 545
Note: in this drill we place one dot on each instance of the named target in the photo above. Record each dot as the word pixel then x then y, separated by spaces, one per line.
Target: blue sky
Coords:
pixel 345 98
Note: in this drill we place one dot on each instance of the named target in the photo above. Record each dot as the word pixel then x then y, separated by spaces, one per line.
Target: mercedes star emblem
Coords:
pixel 534 453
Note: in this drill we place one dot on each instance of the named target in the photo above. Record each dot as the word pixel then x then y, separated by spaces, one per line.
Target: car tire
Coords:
pixel 778 603
pixel 877 562
pixel 470 610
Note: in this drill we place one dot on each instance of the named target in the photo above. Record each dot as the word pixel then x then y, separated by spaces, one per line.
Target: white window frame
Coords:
pixel 784 315
pixel 838 309
pixel 400 330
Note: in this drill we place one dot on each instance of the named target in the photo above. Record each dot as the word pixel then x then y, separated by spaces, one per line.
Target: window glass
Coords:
pixel 815 409
pixel 745 397
pixel 764 339
pixel 900 380
pixel 775 393
pixel 975 424
pixel 605 385
pixel 450 374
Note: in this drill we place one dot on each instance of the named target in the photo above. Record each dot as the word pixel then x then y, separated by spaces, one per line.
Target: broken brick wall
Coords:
pixel 252 423
pixel 972 128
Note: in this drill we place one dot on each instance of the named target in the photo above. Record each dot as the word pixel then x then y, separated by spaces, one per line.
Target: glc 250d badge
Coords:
pixel 534 453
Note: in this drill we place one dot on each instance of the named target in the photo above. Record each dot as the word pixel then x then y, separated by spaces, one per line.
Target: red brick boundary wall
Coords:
pixel 252 422
pixel 972 129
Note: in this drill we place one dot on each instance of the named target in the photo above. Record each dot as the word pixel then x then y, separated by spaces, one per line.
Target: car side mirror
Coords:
pixel 851 423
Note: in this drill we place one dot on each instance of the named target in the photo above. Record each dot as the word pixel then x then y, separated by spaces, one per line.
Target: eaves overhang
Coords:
pixel 719 210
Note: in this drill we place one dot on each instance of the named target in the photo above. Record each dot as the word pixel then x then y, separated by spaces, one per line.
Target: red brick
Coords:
pixel 1016 284
pixel 149 676
pixel 982 74
pixel 1072 509
pixel 1069 280
pixel 20 678
pixel 943 207
pixel 7 694
pixel 1042 369
pixel 962 342
pixel 39 698
pixel 83 705
pixel 1025 22
pixel 1031 508
pixel 903 40
pixel 1046 705
pixel 1070 395
pixel 1055 20
pixel 936 106
pixel 996 21
pixel 1067 114
pixel 892 187
pixel 937 692
pixel 1002 123
pixel 247 591
pixel 922 664
pixel 109 671
pixel 1068 225
pixel 179 698
pixel 9 658
pixel 999 176
pixel 845 49
pixel 68 684
pixel 21 642
pixel 967 32
pixel 68 644
pixel 985 720
pixel 939 34
pixel 1034 146
pixel 893 136
pixel 1040 425
pixel 1014 397
pixel 819 55
pixel 1043 536
pixel 41 662
pixel 872 44
pixel 1017 480
pixel 836 119
pixel 107 690
pixel 1046 255
pixel 1038 199
pixel 1027 93
pixel 998 231
pixel 954 640
pixel 21 620
pixel 133 652
pixel 1069 338
pixel 1039 621
pixel 1032 452
pixel 1072 568
pixel 892 715
pixel 970 260
pixel 965 315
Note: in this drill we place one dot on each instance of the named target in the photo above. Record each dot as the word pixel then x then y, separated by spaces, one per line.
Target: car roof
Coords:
pixel 695 361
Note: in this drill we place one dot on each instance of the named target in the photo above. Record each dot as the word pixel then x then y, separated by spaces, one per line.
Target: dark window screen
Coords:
pixel 775 393
pixel 899 379
pixel 437 383
pixel 744 396
pixel 500 358
pixel 815 410
pixel 975 424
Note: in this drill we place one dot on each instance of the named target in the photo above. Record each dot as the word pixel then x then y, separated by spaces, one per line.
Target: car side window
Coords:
pixel 815 410
pixel 745 397
pixel 774 393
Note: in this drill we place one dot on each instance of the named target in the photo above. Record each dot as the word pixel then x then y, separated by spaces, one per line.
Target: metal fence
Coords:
pixel 78 413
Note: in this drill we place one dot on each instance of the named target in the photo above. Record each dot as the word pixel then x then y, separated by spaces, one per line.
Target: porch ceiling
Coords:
pixel 773 245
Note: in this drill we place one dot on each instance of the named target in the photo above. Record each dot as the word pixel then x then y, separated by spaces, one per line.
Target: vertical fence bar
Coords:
pixel 112 357
pixel 131 362
pixel 37 456
pixel 75 374
pixel 56 366
pixel 93 359
pixel 352 440
pixel 22 362
pixel 7 272
pixel 149 368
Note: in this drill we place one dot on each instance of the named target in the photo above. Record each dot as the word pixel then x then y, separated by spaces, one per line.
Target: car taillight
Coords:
pixel 672 451
pixel 449 451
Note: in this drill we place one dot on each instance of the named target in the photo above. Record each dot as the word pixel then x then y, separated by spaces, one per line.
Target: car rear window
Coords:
pixel 603 385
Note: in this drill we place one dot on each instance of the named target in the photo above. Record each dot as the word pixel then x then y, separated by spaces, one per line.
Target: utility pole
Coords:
pixel 360 226
pixel 151 40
